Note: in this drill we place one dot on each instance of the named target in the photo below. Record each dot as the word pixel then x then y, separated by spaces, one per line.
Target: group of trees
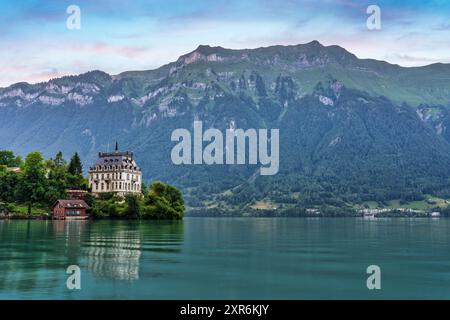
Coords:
pixel 158 201
pixel 38 181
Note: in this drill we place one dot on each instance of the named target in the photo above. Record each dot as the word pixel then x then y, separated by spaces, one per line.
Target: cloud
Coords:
pixel 44 75
pixel 143 35
pixel 442 27
pixel 409 60
pixel 106 49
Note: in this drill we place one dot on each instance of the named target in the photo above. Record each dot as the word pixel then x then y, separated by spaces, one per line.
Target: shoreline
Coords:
pixel 45 217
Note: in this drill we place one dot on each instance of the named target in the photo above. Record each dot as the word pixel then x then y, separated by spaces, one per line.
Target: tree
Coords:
pixel 75 166
pixel 8 159
pixel 33 182
pixel 8 185
pixel 57 178
pixel 134 207
pixel 59 160
pixel 163 202
pixel 75 177
pixel 144 189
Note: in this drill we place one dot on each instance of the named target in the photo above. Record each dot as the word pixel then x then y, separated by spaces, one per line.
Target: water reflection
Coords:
pixel 35 254
pixel 225 258
pixel 114 249
pixel 31 252
pixel 114 256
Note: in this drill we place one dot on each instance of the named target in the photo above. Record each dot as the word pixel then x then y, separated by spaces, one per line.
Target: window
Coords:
pixel 73 212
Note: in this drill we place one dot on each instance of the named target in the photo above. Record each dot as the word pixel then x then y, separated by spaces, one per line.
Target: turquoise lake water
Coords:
pixel 226 258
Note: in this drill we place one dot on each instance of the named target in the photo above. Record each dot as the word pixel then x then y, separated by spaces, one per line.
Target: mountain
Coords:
pixel 351 130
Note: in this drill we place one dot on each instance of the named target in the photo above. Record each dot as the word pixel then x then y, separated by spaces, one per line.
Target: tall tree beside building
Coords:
pixel 75 166
pixel 75 177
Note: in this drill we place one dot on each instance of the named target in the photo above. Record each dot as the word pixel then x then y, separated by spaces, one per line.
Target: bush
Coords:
pixel 134 207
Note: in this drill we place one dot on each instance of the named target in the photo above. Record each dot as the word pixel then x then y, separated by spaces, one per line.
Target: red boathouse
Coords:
pixel 70 209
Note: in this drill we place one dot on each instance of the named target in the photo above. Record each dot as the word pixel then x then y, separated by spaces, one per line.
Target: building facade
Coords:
pixel 70 209
pixel 115 172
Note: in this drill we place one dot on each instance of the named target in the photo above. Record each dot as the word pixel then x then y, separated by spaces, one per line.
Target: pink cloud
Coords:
pixel 103 48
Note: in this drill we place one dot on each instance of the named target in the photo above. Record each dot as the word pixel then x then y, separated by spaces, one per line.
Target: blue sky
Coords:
pixel 116 36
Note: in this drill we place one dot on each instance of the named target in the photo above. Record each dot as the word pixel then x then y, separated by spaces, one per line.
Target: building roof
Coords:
pixel 72 204
pixel 116 159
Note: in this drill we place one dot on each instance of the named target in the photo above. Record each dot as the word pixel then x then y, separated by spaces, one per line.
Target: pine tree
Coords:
pixel 75 167
pixel 75 179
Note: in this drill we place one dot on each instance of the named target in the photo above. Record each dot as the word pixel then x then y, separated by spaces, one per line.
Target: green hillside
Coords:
pixel 352 130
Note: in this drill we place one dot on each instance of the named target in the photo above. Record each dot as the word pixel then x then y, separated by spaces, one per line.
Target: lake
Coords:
pixel 226 258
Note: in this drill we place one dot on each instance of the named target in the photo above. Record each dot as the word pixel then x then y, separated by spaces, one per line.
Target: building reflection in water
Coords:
pixel 114 249
pixel 108 250
pixel 114 256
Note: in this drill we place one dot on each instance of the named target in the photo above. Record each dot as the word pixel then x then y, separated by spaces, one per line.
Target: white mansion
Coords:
pixel 115 172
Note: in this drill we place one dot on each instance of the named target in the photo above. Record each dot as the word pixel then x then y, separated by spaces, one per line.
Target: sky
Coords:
pixel 115 36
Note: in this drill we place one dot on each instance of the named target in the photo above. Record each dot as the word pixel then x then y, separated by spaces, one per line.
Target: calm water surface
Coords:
pixel 236 258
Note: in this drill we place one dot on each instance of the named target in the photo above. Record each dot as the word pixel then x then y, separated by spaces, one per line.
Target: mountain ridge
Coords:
pixel 201 48
pixel 351 130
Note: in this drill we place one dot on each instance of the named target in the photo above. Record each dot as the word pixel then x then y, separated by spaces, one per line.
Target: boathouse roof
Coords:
pixel 71 204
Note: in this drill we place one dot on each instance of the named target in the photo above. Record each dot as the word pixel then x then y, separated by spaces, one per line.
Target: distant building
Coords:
pixel 115 172
pixel 76 194
pixel 70 209
pixel 435 214
pixel 14 169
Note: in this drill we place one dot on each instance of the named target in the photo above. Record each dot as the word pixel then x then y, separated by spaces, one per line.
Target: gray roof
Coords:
pixel 115 158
